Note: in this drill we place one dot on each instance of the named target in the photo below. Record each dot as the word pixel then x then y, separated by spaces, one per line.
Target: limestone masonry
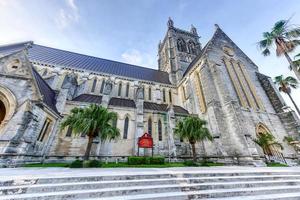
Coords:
pixel 40 85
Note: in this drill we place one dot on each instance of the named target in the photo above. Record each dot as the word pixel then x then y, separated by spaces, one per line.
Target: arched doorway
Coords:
pixel 2 111
pixel 272 152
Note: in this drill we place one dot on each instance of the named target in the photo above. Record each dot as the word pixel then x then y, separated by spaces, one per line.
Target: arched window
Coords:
pixel 184 94
pixel 127 90
pixel 181 46
pixel 102 86
pixel 69 132
pixel 164 95
pixel 159 131
pixel 94 85
pixel 114 123
pixel 192 47
pixel 150 126
pixel 170 96
pixel 120 89
pixel 126 123
pixel 149 94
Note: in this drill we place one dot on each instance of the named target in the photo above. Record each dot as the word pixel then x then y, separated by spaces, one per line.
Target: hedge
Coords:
pixel 136 160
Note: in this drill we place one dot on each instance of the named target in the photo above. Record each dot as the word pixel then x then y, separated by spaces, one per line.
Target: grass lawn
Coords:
pixel 123 165
pixel 276 165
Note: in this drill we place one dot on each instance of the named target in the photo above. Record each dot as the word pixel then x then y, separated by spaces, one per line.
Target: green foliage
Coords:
pixel 276 165
pixel 91 164
pixel 159 160
pixel 283 36
pixel 193 130
pixel 93 120
pixel 76 164
pixel 46 165
pixel 190 163
pixel 286 83
pixel 140 160
pixel 136 160
pixel 266 140
pixel 288 139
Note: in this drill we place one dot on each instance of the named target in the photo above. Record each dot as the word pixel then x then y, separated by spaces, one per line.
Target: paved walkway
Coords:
pixel 21 173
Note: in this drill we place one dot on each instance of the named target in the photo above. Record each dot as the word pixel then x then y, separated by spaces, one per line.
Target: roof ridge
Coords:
pixel 101 58
pixel 16 43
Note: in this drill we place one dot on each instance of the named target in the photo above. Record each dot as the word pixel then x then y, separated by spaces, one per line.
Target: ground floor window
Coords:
pixel 44 130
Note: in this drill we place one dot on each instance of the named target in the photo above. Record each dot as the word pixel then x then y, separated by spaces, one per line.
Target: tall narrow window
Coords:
pixel 120 89
pixel 114 123
pixel 164 95
pixel 159 131
pixel 94 85
pixel 149 94
pixel 102 86
pixel 127 90
pixel 44 130
pixel 170 96
pixel 69 132
pixel 150 126
pixel 184 94
pixel 126 123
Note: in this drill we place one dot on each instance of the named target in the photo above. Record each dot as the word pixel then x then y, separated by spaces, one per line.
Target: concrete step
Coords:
pixel 68 179
pixel 183 196
pixel 192 191
pixel 231 182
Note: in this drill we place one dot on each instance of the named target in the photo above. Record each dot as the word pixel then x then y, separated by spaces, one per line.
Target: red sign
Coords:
pixel 145 141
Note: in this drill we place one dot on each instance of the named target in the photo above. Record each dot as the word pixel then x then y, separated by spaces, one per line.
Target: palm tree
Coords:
pixel 93 120
pixel 297 62
pixel 285 85
pixel 284 36
pixel 265 141
pixel 193 129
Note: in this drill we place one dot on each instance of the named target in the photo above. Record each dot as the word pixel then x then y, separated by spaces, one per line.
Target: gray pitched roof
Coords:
pixel 45 90
pixel 163 107
pixel 53 56
pixel 89 98
pixel 114 101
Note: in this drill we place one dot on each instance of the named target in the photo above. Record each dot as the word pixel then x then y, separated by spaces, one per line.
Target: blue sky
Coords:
pixel 129 30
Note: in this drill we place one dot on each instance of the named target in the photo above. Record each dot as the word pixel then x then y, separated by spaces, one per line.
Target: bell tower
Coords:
pixel 177 50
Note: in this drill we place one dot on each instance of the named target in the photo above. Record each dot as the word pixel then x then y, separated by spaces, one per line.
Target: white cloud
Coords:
pixel 135 57
pixel 67 16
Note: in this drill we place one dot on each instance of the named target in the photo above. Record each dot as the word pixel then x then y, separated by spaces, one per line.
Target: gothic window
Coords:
pixel 181 46
pixel 94 85
pixel 159 131
pixel 192 47
pixel 183 92
pixel 170 96
pixel 126 123
pixel 150 126
pixel 45 72
pixel 164 95
pixel 120 89
pixel 114 123
pixel 69 132
pixel 149 94
pixel 44 130
pixel 127 90
pixel 102 86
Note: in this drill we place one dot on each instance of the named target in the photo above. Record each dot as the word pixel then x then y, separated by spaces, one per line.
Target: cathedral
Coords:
pixel 217 82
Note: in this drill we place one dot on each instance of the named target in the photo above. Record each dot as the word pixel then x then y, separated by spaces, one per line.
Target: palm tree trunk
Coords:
pixel 204 151
pixel 88 148
pixel 295 105
pixel 294 68
pixel 194 152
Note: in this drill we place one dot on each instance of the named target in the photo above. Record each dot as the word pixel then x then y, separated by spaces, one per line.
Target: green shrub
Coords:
pixel 190 163
pixel 136 160
pixel 76 164
pixel 157 160
pixel 91 164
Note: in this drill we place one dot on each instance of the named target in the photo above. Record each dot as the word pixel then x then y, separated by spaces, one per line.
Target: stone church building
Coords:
pixel 39 86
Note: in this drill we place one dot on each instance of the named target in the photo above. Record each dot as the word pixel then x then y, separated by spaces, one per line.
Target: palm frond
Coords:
pixel 266 52
pixel 293 33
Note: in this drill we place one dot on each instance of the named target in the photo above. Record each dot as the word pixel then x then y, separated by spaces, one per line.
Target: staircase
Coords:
pixel 162 184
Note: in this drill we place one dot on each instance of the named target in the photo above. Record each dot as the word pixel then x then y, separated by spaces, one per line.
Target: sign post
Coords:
pixel 146 141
